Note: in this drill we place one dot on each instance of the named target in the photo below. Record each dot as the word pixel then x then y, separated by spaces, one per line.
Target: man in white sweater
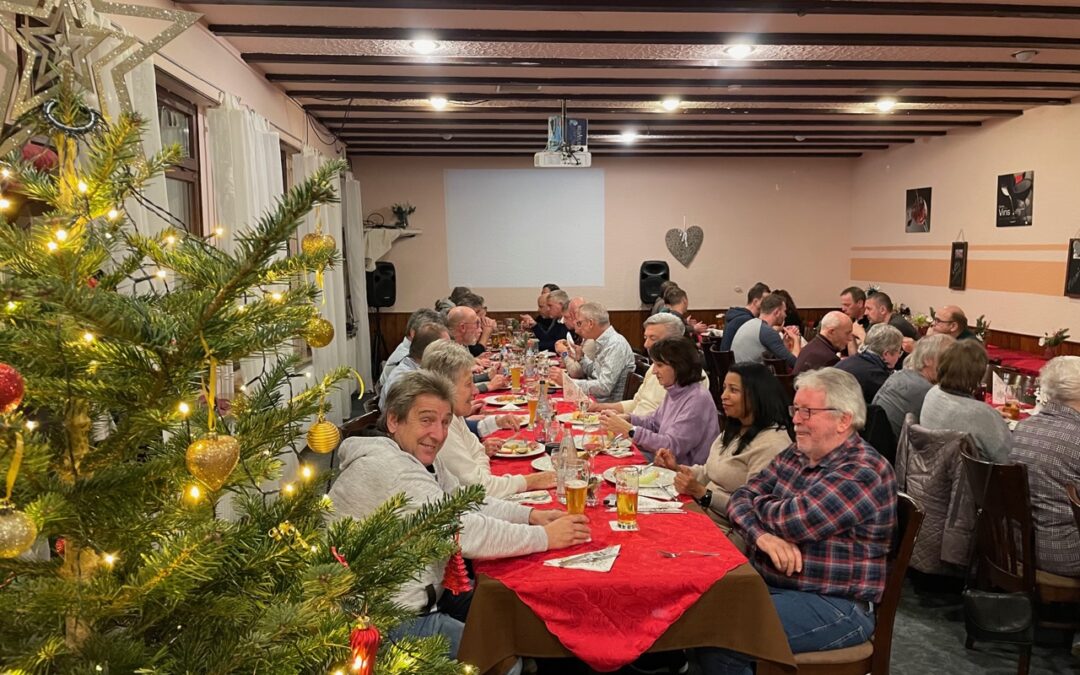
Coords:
pixel 417 417
pixel 462 453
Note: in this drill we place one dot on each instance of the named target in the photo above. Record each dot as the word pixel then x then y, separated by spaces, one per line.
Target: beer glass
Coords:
pixel 626 493
pixel 515 377
pixel 577 485
pixel 532 398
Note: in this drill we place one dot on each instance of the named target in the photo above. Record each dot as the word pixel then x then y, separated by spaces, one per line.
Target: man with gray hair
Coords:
pixel 416 319
pixel 602 376
pixel 905 389
pixel 549 329
pixel 651 393
pixel 819 520
pixel 824 350
pixel 876 358
pixel 424 336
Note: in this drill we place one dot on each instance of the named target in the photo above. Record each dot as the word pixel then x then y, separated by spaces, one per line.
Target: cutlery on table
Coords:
pixel 673 554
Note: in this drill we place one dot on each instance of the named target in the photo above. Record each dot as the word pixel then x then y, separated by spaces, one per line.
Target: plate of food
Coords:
pixel 517 448
pixel 506 399
pixel 579 418
pixel 651 476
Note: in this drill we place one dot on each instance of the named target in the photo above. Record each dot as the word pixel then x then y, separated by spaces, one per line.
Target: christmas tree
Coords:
pixel 113 557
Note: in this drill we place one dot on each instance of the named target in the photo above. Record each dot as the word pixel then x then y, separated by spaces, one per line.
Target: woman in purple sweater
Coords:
pixel 686 421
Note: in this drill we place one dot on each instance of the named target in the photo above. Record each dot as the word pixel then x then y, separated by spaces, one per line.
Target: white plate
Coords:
pixel 534 450
pixel 543 463
pixel 664 477
pixel 505 399
pixel 569 417
pixel 579 442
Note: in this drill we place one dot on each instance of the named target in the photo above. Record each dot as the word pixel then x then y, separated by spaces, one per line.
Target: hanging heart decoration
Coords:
pixel 684 244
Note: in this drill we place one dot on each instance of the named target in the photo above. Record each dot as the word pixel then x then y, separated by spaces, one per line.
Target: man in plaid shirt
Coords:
pixel 819 520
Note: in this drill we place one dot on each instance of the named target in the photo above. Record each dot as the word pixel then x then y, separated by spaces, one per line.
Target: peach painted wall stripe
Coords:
pixel 1015 276
pixel 972 247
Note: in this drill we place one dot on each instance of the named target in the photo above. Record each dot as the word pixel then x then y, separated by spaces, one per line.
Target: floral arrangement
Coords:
pixel 402 213
pixel 1054 339
pixel 981 328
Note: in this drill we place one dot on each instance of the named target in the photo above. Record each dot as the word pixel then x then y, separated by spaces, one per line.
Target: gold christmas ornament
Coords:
pixel 17 532
pixel 323 437
pixel 317 243
pixel 319 332
pixel 212 458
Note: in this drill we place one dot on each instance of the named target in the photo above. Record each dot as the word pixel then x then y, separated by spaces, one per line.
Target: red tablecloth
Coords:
pixel 1028 364
pixel 609 619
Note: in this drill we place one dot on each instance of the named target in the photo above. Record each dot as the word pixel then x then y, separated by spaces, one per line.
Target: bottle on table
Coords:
pixel 543 410
pixel 566 454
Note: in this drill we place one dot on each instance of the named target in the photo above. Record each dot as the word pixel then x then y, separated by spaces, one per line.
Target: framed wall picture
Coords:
pixel 1015 199
pixel 917 210
pixel 1072 270
pixel 958 266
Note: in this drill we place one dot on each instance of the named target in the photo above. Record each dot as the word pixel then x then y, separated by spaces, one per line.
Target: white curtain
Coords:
pixel 354 246
pixel 333 309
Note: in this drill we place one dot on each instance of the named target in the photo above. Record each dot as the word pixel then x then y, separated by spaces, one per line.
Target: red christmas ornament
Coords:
pixel 456 577
pixel 12 388
pixel 60 545
pixel 92 282
pixel 364 642
pixel 43 158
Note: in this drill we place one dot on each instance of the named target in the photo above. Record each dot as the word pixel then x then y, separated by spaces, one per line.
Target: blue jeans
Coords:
pixel 432 624
pixel 812 623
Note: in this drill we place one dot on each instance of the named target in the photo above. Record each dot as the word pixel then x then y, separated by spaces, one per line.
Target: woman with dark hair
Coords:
pixel 792 318
pixel 756 429
pixel 686 421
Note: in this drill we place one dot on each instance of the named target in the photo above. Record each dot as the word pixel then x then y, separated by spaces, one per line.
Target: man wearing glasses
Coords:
pixel 951 320
pixel 819 520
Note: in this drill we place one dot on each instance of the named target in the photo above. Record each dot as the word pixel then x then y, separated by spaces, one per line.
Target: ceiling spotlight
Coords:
pixel 424 47
pixel 885 104
pixel 1025 55
pixel 628 136
pixel 670 103
pixel 739 51
pixel 800 138
pixel 438 102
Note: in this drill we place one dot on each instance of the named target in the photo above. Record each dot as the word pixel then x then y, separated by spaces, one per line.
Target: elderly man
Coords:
pixel 416 319
pixel 819 520
pixel 651 393
pixel 602 376
pixel 463 454
pixel 417 417
pixel 425 335
pixel 570 318
pixel 464 326
pixel 737 316
pixel 487 324
pixel 758 336
pixel 875 361
pixel 951 320
pixel 905 389
pixel 824 350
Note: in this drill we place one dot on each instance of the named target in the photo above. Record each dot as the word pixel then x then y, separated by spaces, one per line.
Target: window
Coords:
pixel 179 122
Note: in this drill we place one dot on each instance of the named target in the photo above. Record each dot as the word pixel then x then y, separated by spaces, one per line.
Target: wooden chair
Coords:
pixel 717 363
pixel 787 382
pixel 360 424
pixel 779 366
pixel 873 655
pixel 633 383
pixel 641 364
pixel 878 432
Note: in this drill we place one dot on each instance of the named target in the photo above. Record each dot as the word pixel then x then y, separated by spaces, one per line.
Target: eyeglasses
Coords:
pixel 937 320
pixel 797 411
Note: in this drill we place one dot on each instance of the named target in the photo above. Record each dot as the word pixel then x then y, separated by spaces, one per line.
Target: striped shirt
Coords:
pixel 841 514
pixel 1049 444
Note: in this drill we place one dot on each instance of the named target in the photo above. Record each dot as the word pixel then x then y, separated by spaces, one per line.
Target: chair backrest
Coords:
pixel 633 383
pixel 360 425
pixel 787 383
pixel 909 518
pixel 779 366
pixel 717 363
pixel 878 432
pixel 1005 533
pixel 641 364
pixel 1074 502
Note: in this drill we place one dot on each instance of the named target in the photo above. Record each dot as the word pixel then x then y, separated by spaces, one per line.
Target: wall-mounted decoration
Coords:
pixel 917 214
pixel 958 266
pixel 1015 196
pixel 1072 270
pixel 685 243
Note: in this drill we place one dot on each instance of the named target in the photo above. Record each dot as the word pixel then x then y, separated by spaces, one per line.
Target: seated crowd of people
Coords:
pixel 793 482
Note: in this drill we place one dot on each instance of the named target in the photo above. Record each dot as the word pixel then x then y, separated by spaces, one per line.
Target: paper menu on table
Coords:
pixel 998 392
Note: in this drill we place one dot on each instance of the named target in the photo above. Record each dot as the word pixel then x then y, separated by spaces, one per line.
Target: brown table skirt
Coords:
pixel 736 613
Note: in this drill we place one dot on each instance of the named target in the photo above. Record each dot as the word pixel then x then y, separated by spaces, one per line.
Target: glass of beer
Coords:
pixel 532 398
pixel 577 485
pixel 515 376
pixel 626 492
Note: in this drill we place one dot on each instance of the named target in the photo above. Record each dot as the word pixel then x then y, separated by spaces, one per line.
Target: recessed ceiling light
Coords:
pixel 800 138
pixel 670 103
pixel 885 104
pixel 438 102
pixel 424 46
pixel 628 136
pixel 1025 55
pixel 739 51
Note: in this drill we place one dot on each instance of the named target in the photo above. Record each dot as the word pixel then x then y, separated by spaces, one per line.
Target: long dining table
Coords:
pixel 647 602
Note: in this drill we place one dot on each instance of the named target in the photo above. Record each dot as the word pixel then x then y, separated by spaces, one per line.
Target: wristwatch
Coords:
pixel 630 433
pixel 704 500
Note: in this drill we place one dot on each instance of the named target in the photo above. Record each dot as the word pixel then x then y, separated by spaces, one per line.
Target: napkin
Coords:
pixel 533 497
pixel 619 453
pixel 594 561
pixel 657 493
pixel 509 407
pixel 998 395
pixel 648 505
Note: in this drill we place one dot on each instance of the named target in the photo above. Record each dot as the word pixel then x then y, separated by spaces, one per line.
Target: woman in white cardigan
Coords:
pixel 463 454
pixel 757 428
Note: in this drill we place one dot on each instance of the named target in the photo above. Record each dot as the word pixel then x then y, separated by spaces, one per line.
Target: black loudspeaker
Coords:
pixel 653 273
pixel 382 285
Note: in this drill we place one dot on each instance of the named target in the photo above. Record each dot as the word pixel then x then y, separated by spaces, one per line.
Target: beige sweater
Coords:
pixel 651 394
pixel 725 472
pixel 464 456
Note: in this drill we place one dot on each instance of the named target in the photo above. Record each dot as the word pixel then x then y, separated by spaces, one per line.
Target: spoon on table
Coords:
pixel 673 554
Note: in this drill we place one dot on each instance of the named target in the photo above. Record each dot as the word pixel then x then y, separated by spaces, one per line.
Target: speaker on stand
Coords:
pixel 381 292
pixel 653 273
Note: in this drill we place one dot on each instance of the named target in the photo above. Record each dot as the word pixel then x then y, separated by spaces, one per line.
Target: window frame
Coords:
pixel 190 169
